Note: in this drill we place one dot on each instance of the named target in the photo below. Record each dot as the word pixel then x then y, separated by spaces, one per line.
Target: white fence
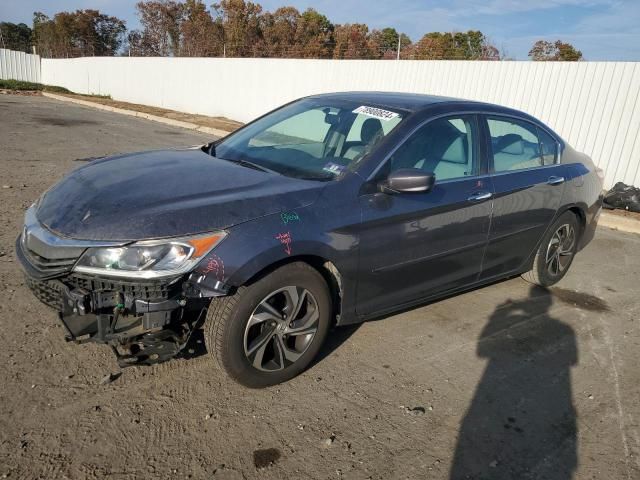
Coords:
pixel 19 66
pixel 593 105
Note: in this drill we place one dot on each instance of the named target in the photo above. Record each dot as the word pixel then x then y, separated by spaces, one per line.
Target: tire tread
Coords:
pixel 222 319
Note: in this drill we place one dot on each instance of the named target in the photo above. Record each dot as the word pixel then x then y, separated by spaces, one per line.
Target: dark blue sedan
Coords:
pixel 335 208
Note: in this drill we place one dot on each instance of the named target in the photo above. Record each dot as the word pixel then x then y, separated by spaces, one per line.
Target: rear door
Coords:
pixel 414 244
pixel 528 183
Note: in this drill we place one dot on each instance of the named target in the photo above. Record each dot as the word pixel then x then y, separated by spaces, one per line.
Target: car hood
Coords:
pixel 165 194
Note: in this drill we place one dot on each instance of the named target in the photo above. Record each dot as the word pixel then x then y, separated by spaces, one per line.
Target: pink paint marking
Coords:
pixel 285 239
pixel 215 265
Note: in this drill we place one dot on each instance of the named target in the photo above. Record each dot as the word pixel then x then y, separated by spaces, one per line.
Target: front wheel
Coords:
pixel 269 331
pixel 556 252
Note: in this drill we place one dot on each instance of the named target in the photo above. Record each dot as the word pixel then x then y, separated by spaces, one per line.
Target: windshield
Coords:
pixel 314 139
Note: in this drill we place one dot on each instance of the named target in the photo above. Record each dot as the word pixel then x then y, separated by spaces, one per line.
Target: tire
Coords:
pixel 556 252
pixel 252 336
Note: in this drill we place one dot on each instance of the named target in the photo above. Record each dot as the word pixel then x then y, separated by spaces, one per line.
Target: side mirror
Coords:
pixel 408 180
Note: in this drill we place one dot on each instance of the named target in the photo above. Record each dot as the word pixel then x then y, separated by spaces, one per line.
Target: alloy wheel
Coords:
pixel 560 249
pixel 281 328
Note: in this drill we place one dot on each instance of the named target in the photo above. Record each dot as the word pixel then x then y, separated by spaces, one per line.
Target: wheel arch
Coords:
pixel 578 210
pixel 323 265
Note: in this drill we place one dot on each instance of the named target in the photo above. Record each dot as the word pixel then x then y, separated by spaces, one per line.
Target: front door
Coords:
pixel 528 186
pixel 413 245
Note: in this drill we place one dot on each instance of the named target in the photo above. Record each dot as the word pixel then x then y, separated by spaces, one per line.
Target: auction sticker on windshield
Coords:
pixel 379 113
pixel 334 168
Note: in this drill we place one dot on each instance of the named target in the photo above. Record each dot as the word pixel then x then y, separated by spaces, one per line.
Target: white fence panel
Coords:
pixel 593 105
pixel 19 66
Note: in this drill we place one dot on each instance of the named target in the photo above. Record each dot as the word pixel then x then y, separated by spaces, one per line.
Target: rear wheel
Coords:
pixel 269 331
pixel 556 252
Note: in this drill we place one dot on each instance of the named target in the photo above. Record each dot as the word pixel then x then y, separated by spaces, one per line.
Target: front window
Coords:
pixel 312 139
pixel 444 147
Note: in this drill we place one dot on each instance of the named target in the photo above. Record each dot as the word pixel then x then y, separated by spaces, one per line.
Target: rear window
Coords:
pixel 517 145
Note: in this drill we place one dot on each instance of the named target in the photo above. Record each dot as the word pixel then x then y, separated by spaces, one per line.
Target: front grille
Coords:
pixel 48 266
pixel 146 290
pixel 48 292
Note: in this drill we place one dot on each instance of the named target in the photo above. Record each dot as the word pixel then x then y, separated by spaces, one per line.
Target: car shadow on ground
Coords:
pixel 335 338
pixel 521 423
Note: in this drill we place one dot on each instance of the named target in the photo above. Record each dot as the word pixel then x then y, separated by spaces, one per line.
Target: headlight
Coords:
pixel 149 258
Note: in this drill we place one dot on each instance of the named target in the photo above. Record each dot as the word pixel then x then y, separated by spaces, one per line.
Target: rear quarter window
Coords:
pixel 548 148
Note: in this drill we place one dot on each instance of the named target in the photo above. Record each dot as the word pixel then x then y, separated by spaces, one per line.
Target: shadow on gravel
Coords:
pixel 195 347
pixel 521 423
pixel 335 338
pixel 63 122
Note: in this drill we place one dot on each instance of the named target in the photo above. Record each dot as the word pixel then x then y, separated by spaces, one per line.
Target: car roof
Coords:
pixel 417 102
pixel 399 100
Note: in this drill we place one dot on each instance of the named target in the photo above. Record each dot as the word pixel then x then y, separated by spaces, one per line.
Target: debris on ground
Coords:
pixel 415 410
pixel 624 197
pixel 110 378
pixel 327 442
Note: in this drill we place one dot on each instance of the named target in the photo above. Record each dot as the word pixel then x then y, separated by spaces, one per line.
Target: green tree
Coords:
pixel 558 51
pixel 77 34
pixel 15 36
pixel 384 43
pixel 314 35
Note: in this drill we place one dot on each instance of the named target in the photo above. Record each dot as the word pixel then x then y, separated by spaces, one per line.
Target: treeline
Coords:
pixel 239 28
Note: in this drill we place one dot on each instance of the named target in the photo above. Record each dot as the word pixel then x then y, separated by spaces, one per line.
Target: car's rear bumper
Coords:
pixel 591 223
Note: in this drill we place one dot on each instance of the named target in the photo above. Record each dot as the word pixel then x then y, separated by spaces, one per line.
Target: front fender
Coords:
pixel 252 247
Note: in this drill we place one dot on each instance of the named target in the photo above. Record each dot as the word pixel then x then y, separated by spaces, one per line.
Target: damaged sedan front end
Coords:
pixel 333 209
pixel 138 297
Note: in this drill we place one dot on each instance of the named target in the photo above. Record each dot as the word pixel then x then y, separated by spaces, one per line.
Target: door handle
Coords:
pixel 555 180
pixel 479 196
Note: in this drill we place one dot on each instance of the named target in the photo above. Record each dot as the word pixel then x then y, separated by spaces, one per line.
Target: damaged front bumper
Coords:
pixel 144 321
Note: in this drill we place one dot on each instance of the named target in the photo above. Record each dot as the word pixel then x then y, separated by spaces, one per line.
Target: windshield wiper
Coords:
pixel 248 164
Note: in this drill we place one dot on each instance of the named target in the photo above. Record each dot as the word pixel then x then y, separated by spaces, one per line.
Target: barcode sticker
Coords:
pixel 379 113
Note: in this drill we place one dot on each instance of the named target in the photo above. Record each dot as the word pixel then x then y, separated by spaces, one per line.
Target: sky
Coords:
pixel 601 29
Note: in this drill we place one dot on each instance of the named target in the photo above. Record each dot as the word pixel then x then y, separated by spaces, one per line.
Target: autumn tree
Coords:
pixel 279 33
pixel 351 41
pixel 557 51
pixel 15 36
pixel 161 22
pixel 314 35
pixel 76 34
pixel 201 34
pixel 241 27
pixel 470 45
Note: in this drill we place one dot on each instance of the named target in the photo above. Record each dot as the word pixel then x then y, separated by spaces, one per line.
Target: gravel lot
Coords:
pixel 507 380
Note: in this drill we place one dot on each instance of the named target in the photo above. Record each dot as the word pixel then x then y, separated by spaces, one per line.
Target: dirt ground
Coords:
pixel 202 120
pixel 507 380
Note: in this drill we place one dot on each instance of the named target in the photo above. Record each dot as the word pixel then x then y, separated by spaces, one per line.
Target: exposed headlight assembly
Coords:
pixel 149 258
